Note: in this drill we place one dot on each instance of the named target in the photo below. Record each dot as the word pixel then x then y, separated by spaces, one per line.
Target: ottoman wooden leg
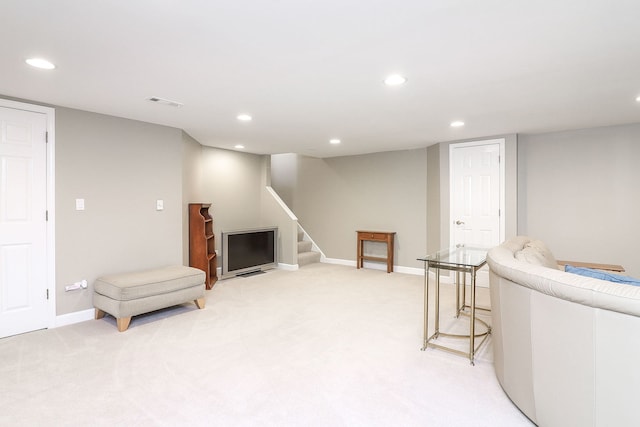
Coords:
pixel 200 303
pixel 123 323
pixel 99 313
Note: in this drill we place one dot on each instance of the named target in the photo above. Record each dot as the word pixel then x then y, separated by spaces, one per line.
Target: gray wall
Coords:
pixel 402 191
pixel 575 190
pixel 578 192
pixel 120 167
pixel 232 182
pixel 434 219
pixel 235 183
pixel 191 185
pixel 284 170
pixel 334 197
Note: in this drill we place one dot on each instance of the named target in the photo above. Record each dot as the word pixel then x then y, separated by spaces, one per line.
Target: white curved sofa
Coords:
pixel 566 347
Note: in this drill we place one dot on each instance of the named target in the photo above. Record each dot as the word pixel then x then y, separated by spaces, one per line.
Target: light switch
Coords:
pixel 79 204
pixel 159 205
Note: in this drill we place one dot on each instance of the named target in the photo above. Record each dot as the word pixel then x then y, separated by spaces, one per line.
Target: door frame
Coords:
pixel 502 165
pixel 50 245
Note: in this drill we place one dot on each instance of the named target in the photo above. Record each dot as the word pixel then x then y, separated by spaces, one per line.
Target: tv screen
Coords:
pixel 248 250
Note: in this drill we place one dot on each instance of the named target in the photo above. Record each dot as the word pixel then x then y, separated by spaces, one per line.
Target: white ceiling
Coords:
pixel 308 71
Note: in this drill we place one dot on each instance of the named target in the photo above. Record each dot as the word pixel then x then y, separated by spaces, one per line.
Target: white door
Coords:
pixel 23 227
pixel 477 193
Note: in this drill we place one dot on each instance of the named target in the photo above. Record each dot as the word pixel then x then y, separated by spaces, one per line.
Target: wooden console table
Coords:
pixel 375 236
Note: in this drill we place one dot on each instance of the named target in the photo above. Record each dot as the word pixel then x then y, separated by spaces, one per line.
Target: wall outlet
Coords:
pixel 83 284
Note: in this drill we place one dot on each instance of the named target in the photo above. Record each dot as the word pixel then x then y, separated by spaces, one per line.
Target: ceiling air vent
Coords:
pixel 165 101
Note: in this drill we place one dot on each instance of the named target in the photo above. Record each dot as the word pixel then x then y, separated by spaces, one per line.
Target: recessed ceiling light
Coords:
pixel 638 98
pixel 244 117
pixel 457 124
pixel 334 141
pixel 40 63
pixel 239 146
pixel 395 80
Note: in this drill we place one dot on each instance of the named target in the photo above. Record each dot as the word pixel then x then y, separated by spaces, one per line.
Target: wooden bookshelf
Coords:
pixel 202 243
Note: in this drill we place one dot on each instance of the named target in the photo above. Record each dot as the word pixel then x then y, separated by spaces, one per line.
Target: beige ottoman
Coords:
pixel 130 294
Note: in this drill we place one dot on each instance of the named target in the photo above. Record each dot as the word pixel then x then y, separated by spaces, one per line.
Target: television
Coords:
pixel 250 251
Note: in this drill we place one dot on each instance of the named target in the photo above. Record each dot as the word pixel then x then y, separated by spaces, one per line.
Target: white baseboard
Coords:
pixel 408 270
pixel 287 267
pixel 75 317
pixel 375 266
pixel 338 261
pixel 416 271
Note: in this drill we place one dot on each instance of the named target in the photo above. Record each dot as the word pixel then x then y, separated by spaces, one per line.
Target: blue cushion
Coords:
pixel 597 274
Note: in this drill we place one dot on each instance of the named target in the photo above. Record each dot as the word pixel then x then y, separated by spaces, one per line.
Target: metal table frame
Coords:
pixel 440 262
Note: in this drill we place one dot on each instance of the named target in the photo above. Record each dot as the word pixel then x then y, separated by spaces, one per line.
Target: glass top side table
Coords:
pixel 461 260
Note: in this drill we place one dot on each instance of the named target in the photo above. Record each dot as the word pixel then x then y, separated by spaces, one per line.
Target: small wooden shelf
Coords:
pixel 202 247
pixel 375 236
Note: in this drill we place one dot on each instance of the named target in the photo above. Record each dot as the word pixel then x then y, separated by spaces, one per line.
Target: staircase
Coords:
pixel 306 254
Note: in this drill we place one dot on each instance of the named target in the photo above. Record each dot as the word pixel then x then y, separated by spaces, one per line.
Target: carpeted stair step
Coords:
pixel 304 246
pixel 300 235
pixel 305 258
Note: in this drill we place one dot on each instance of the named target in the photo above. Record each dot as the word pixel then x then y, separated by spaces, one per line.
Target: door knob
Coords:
pixel 458 222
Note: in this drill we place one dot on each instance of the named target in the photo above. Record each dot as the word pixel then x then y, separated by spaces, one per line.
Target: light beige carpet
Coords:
pixel 325 345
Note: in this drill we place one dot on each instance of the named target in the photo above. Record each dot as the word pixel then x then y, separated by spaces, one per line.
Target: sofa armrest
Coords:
pixel 606 267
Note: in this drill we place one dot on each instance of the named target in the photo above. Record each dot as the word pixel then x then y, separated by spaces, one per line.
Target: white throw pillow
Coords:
pixel 536 252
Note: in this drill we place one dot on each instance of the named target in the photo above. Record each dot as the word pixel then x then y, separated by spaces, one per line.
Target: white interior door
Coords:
pixel 477 193
pixel 477 196
pixel 23 227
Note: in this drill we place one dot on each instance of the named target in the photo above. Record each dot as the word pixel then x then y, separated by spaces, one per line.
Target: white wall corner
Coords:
pixel 287 267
